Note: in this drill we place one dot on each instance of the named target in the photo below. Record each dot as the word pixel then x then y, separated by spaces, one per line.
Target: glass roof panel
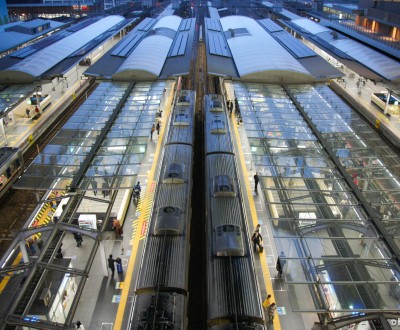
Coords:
pixel 325 236
pixel 125 133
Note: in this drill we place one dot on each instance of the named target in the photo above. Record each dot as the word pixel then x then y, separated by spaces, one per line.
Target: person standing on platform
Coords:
pixel 28 112
pixel 152 131
pixel 78 238
pixel 256 179
pixel 280 263
pixel 117 228
pixel 94 186
pixel 79 325
pixel 271 312
pixel 267 302
pixel 30 242
pixel 111 265
pixel 158 128
pixel 257 241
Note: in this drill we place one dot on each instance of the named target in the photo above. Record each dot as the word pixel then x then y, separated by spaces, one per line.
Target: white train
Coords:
pixel 161 295
pixel 233 294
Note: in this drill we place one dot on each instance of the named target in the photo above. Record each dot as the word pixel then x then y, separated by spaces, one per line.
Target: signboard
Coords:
pixel 87 221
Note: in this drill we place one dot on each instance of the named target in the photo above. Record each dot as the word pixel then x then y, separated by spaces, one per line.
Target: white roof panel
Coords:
pixel 43 60
pixel 253 57
pixel 147 60
pixel 310 26
pixel 171 22
pixel 381 64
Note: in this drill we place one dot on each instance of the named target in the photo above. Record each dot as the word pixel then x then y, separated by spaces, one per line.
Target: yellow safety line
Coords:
pixel 253 212
pixel 5 280
pixel 148 198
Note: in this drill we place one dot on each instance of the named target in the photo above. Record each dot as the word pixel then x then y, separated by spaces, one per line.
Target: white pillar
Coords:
pixel 103 258
pixel 387 101
pixel 3 131
pixel 25 255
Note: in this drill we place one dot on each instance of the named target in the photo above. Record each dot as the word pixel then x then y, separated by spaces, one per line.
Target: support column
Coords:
pixel 3 131
pixel 103 257
pixel 25 255
pixel 387 101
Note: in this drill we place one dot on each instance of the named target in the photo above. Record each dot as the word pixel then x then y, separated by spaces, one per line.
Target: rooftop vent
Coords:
pixel 169 221
pixel 174 173
pixel 223 186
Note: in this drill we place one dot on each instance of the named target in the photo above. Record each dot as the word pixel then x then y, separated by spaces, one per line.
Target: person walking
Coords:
pixel 257 241
pixel 152 131
pixel 258 228
pixel 256 179
pixel 78 238
pixel 111 265
pixel 158 128
pixel 28 112
pixel 271 312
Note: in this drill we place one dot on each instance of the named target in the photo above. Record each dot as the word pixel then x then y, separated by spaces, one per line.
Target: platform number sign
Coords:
pixel 281 310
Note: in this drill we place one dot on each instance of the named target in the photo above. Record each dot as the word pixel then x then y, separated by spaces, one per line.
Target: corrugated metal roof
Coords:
pixel 171 22
pixel 254 59
pixel 377 62
pixel 33 66
pixel 310 26
pixel 147 60
pixel 11 39
pixel 351 49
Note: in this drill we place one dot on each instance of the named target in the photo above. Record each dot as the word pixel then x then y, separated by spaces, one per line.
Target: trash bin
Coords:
pixel 119 265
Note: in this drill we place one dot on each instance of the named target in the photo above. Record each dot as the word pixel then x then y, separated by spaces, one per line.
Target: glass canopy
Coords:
pixel 334 260
pixel 11 95
pixel 114 157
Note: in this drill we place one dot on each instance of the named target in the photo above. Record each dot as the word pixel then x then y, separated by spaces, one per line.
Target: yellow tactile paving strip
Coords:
pixel 140 232
pixel 253 213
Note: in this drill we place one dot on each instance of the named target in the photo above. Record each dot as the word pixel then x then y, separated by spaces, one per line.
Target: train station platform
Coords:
pixel 103 293
pixel 358 92
pixel 19 130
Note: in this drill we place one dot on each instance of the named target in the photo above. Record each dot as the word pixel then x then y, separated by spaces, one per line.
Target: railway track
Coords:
pixel 17 205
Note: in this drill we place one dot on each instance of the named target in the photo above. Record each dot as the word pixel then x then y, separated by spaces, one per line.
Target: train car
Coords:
pixel 11 167
pixel 234 300
pixel 161 294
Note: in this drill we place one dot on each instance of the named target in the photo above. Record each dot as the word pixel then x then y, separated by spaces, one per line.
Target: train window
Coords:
pixel 229 241
pixel 183 100
pixel 223 186
pixel 218 127
pixel 174 173
pixel 169 221
pixel 216 106
pixel 181 119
